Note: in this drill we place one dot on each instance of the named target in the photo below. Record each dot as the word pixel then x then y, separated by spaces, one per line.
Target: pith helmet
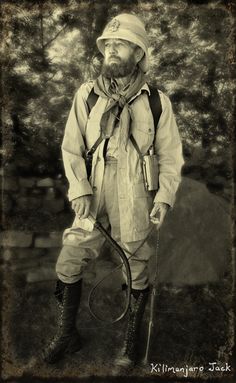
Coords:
pixel 127 27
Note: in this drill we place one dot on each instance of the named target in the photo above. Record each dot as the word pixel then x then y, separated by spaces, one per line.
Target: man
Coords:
pixel 115 192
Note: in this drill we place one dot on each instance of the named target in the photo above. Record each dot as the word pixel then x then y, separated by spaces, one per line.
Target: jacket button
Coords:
pixel 94 188
pixel 98 159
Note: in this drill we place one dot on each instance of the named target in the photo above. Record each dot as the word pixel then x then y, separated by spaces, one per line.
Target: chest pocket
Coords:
pixel 142 127
pixel 143 133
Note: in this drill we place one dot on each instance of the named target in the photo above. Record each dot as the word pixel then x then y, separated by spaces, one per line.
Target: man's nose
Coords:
pixel 112 48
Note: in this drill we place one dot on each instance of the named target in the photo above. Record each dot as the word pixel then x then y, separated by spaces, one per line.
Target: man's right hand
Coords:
pixel 81 206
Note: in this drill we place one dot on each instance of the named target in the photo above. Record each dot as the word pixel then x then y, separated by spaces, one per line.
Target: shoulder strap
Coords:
pixel 156 109
pixel 91 99
pixel 155 105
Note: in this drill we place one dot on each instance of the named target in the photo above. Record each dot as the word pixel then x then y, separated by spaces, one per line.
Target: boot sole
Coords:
pixel 73 346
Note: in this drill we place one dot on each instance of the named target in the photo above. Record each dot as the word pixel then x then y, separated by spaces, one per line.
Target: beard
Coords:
pixel 121 68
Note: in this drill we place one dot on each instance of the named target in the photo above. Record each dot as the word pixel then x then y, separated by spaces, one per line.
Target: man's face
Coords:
pixel 119 58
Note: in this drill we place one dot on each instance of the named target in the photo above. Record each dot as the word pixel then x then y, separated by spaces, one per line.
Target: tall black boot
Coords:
pixel 66 340
pixel 128 355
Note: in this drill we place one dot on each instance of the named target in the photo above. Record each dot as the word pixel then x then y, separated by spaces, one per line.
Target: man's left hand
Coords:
pixel 158 213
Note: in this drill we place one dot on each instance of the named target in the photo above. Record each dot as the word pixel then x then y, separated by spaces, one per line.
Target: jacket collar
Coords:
pixel 144 88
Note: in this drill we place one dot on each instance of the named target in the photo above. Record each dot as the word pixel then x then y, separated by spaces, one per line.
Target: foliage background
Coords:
pixel 49 50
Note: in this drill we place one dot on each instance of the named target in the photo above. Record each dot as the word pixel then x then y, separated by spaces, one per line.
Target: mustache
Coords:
pixel 114 57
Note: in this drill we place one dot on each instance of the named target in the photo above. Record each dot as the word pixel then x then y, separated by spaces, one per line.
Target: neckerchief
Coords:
pixel 118 101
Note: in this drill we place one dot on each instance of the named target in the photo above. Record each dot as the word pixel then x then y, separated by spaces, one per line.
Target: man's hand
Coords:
pixel 81 206
pixel 158 213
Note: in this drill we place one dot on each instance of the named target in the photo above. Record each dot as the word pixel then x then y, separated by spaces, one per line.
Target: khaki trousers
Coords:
pixel 79 246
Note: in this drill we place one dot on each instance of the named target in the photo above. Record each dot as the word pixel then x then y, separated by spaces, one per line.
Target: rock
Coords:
pixel 29 203
pixel 24 192
pixel 27 253
pixel 51 240
pixel 52 253
pixel 50 194
pixel 54 206
pixel 195 238
pixel 16 238
pixel 25 264
pixel 37 191
pixel 27 182
pixel 10 169
pixel 9 183
pixel 7 254
pixel 41 274
pixel 61 186
pixel 7 203
pixel 45 183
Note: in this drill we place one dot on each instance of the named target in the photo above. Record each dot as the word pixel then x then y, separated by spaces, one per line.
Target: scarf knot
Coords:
pixel 122 101
pixel 117 102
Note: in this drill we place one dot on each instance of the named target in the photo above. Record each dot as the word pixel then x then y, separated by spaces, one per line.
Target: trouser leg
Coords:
pixel 138 263
pixel 79 247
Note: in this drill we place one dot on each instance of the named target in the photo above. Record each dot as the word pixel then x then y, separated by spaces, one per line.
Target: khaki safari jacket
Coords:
pixel 135 203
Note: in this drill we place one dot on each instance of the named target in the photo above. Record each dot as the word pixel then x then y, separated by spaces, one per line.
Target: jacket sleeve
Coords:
pixel 73 146
pixel 169 150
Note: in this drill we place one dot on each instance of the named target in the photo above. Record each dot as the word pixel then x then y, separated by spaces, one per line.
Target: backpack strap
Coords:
pixel 156 109
pixel 91 99
pixel 155 105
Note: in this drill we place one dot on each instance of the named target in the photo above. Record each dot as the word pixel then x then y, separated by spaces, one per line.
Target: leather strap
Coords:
pixel 156 109
pixel 91 99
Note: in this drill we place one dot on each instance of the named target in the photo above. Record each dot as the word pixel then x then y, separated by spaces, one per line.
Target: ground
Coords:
pixel 192 326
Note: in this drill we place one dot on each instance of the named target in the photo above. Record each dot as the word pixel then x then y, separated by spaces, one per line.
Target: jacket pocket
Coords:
pixel 143 133
pixel 142 205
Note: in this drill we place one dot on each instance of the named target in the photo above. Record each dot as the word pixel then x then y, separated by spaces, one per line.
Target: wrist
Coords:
pixel 162 204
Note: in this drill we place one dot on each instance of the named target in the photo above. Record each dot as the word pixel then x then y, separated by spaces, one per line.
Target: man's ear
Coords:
pixel 138 54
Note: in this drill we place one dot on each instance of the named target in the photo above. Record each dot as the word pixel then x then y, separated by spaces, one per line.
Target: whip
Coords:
pixel 125 261
pixel 121 253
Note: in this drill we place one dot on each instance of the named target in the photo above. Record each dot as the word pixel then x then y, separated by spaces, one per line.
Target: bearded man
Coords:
pixel 119 130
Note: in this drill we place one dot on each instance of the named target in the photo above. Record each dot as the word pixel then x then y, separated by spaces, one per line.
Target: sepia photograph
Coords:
pixel 117 191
